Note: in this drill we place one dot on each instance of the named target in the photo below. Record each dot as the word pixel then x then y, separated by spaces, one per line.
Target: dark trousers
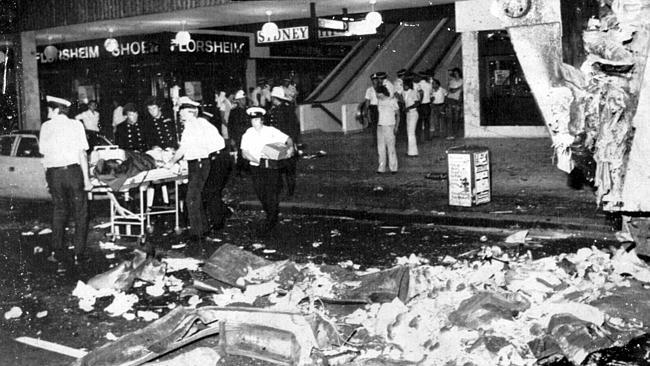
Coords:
pixel 288 174
pixel 440 125
pixel 266 183
pixel 455 116
pixel 373 114
pixel 198 171
pixel 67 189
pixel 424 122
pixel 220 166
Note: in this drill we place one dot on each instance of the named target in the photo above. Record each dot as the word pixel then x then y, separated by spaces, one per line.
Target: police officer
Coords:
pixel 370 103
pixel 160 129
pixel 282 116
pixel 63 145
pixel 130 134
pixel 237 126
pixel 264 172
pixel 199 142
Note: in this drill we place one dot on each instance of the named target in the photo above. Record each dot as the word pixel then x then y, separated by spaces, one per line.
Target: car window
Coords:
pixel 28 147
pixel 5 145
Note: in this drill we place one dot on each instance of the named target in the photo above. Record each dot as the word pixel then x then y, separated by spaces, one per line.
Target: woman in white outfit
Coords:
pixel 411 103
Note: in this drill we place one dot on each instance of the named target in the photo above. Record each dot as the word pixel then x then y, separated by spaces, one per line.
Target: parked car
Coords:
pixel 21 171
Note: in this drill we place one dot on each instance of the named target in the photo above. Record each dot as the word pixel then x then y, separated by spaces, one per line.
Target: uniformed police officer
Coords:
pixel 160 129
pixel 199 142
pixel 264 172
pixel 63 145
pixel 370 104
pixel 282 116
pixel 130 135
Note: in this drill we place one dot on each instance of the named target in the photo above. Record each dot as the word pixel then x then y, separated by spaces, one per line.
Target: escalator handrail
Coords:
pixel 444 54
pixel 393 33
pixel 353 52
pixel 427 42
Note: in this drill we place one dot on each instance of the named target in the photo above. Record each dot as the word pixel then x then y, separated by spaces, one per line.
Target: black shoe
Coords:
pixel 393 173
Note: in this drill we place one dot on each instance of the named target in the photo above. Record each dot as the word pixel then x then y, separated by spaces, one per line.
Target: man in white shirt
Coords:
pixel 200 140
pixel 265 173
pixel 424 111
pixel 386 129
pixel 63 145
pixel 411 103
pixel 455 101
pixel 369 106
pixel 118 114
pixel 438 96
pixel 90 117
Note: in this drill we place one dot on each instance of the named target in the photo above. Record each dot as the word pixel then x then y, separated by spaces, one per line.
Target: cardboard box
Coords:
pixel 469 176
pixel 276 151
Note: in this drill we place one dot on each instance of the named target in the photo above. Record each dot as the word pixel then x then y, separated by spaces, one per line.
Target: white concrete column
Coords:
pixel 472 86
pixel 27 78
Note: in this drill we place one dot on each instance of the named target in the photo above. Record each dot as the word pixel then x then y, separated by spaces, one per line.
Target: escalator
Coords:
pixel 418 46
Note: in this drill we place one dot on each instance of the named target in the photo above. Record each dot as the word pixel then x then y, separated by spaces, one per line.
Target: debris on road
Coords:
pixel 45 231
pixel 13 313
pixel 517 238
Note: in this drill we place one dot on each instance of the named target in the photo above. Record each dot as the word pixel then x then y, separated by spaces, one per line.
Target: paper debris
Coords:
pixel 110 336
pixel 128 316
pixel 316 244
pixel 177 264
pixel 269 251
pixel 13 313
pixel 27 233
pixel 147 315
pixel 257 246
pixel 103 225
pixel 121 304
pixel 194 300
pixel 517 238
pixel 45 231
pixel 41 314
pixel 179 246
pixel 155 290
pixel 38 250
pixel 109 245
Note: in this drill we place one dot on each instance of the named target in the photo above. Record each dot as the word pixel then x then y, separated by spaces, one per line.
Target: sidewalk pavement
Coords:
pixel 527 189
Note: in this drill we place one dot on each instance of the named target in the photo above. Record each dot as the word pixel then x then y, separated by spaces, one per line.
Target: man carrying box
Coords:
pixel 265 172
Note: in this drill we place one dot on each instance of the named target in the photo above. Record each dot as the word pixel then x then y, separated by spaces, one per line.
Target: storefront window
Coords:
pixel 506 99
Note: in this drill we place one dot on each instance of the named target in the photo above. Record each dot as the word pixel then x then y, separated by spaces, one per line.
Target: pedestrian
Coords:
pixel 424 111
pixel 411 104
pixel 90 117
pixel 438 120
pixel 399 82
pixel 455 102
pixel 237 126
pixel 369 106
pixel 265 95
pixel 64 147
pixel 282 116
pixel 264 172
pixel 224 105
pixel 160 130
pixel 199 143
pixel 130 135
pixel 386 129
pixel 383 78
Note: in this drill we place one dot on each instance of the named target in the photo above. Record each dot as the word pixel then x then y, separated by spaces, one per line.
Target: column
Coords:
pixel 471 87
pixel 27 80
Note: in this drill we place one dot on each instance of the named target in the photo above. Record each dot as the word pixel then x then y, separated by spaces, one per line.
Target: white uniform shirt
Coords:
pixel 371 95
pixel 255 96
pixel 410 97
pixel 200 138
pixel 453 84
pixel 439 95
pixel 90 120
pixel 254 141
pixel 266 97
pixel 61 139
pixel 425 86
pixel 399 86
pixel 389 86
pixel 118 116
pixel 387 108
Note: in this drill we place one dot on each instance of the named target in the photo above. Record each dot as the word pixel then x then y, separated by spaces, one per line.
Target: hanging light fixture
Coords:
pixel 111 44
pixel 50 52
pixel 183 37
pixel 269 29
pixel 373 18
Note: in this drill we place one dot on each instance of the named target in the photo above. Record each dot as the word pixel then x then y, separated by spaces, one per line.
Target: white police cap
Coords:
pixel 187 102
pixel 255 112
pixel 57 100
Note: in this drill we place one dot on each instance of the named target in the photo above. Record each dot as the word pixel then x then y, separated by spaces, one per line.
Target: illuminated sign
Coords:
pixel 285 35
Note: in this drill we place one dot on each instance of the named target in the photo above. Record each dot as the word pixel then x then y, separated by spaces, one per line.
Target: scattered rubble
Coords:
pixel 13 313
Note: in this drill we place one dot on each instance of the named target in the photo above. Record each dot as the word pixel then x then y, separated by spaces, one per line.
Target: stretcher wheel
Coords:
pixel 178 231
pixel 150 229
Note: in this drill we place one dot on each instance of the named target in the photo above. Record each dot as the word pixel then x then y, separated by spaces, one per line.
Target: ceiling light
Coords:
pixel 111 44
pixel 50 52
pixel 183 37
pixel 373 18
pixel 269 29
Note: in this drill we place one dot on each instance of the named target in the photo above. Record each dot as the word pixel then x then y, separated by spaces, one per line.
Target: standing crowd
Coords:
pixel 417 98
pixel 237 136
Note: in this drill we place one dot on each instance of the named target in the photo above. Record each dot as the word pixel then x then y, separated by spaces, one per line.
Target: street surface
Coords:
pixel 33 284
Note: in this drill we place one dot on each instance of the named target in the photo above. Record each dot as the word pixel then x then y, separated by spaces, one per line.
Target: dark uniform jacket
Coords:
pixel 131 137
pixel 283 117
pixel 161 132
pixel 238 123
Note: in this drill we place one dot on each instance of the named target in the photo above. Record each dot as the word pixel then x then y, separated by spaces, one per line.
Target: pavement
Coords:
pixel 528 191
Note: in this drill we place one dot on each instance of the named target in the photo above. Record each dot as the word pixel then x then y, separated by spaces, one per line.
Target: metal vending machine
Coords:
pixel 469 175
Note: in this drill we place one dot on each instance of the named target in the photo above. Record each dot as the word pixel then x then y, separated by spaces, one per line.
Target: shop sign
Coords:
pixel 358 28
pixel 285 35
pixel 160 44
